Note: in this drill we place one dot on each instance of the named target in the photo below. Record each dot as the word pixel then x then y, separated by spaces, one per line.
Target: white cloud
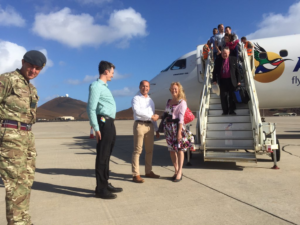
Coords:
pixel 126 91
pixel 80 30
pixel 278 25
pixel 9 17
pixel 95 2
pixel 12 54
pixel 49 62
pixel 89 79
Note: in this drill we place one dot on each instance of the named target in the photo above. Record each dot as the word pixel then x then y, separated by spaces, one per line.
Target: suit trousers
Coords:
pixel 226 95
pixel 143 132
pixel 104 149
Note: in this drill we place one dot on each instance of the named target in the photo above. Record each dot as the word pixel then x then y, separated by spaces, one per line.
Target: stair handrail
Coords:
pixel 204 100
pixel 254 103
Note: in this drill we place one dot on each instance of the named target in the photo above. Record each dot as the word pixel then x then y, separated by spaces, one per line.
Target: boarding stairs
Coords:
pixel 229 138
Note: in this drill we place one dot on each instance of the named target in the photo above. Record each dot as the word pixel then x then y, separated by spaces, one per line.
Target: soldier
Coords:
pixel 18 103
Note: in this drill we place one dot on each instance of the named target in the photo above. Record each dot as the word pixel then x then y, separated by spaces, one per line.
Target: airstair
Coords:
pixel 232 138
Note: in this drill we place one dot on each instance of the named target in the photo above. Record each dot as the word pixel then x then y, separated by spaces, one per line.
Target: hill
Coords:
pixel 127 114
pixel 63 106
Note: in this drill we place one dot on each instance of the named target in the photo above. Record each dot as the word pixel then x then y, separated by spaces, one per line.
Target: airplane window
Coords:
pixel 180 64
pixel 283 53
pixel 168 67
pixel 263 55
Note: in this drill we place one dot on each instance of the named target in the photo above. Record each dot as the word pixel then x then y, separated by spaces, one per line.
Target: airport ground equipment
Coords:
pixel 233 138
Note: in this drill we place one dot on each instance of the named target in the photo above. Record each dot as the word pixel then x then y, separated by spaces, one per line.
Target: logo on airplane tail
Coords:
pixel 269 65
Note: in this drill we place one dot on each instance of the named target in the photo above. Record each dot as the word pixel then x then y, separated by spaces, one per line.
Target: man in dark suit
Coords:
pixel 226 73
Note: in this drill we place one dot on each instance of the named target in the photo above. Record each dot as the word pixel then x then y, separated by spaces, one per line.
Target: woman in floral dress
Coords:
pixel 178 138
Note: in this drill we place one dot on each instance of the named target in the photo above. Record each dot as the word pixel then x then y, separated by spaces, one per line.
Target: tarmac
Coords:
pixel 209 193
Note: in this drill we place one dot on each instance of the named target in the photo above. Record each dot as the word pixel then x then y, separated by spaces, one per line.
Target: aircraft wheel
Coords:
pixel 278 152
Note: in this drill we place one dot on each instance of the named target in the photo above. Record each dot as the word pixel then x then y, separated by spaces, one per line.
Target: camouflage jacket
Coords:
pixel 18 98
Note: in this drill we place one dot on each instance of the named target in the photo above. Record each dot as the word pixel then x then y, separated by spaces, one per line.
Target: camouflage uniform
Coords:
pixel 18 100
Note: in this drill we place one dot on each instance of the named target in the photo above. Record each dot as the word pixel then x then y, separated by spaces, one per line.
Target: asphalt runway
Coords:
pixel 209 193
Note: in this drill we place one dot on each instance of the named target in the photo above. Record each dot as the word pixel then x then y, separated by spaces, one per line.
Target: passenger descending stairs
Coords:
pixel 229 138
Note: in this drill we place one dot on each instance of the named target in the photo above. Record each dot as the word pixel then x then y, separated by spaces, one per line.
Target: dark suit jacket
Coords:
pixel 234 70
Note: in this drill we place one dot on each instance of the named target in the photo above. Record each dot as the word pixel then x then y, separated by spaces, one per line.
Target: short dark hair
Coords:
pixel 244 38
pixel 228 27
pixel 104 65
pixel 230 36
pixel 215 29
pixel 226 48
pixel 221 24
pixel 143 82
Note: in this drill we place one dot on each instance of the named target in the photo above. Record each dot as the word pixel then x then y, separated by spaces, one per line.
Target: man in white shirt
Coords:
pixel 143 131
pixel 219 39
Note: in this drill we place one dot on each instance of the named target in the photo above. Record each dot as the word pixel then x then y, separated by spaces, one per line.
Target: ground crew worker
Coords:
pixel 205 52
pixel 18 103
pixel 249 46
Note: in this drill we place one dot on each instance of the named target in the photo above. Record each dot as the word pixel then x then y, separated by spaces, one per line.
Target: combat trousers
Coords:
pixel 104 150
pixel 17 167
pixel 142 132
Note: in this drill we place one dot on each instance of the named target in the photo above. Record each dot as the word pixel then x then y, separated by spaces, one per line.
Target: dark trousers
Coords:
pixel 104 150
pixel 226 95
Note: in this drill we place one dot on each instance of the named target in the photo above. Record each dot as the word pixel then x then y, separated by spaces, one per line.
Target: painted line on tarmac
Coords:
pixel 283 149
pixel 246 203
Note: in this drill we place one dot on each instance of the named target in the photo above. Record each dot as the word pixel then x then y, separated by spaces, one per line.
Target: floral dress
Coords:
pixel 170 129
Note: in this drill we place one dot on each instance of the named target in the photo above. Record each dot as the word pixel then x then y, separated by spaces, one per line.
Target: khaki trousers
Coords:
pixel 143 132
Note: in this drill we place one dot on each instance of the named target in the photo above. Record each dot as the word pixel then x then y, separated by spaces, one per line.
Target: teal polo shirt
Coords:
pixel 101 102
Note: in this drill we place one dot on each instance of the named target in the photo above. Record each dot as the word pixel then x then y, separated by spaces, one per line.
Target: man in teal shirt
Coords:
pixel 101 110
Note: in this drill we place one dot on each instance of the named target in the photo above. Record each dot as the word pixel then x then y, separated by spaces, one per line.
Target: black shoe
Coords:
pixel 177 180
pixel 105 195
pixel 174 177
pixel 232 113
pixel 224 114
pixel 114 189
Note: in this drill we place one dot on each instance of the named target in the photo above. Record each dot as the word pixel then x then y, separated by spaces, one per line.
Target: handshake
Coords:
pixel 155 117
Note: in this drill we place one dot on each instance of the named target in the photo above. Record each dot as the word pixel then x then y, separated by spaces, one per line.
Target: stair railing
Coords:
pixel 253 103
pixel 204 103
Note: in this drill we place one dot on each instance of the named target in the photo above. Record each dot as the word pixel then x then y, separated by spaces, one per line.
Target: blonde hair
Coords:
pixel 181 94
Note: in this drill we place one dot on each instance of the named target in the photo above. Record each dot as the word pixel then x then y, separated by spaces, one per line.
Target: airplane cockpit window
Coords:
pixel 283 53
pixel 180 64
pixel 168 67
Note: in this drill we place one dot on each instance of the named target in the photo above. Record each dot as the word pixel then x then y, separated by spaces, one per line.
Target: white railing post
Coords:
pixel 254 104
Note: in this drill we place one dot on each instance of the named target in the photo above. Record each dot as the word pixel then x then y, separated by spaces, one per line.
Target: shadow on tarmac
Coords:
pixel 288 136
pixel 161 157
pixel 122 150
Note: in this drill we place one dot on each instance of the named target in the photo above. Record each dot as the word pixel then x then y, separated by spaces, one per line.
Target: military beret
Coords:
pixel 35 58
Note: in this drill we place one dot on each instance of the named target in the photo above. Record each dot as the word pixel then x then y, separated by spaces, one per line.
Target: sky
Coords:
pixel 139 37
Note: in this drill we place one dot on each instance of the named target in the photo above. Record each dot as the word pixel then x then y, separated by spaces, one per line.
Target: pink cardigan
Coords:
pixel 178 111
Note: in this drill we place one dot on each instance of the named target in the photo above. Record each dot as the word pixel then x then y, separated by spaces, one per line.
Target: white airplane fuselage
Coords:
pixel 277 75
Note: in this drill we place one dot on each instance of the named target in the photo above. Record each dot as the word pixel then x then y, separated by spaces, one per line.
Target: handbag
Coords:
pixel 188 116
pixel 161 125
pixel 241 95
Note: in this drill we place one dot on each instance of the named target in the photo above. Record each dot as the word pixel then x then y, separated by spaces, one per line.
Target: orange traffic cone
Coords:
pixel 92 133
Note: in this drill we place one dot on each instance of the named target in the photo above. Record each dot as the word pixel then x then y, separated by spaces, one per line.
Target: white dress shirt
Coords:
pixel 143 109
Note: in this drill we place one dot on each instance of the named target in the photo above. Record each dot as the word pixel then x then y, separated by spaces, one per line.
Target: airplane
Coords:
pixel 277 75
